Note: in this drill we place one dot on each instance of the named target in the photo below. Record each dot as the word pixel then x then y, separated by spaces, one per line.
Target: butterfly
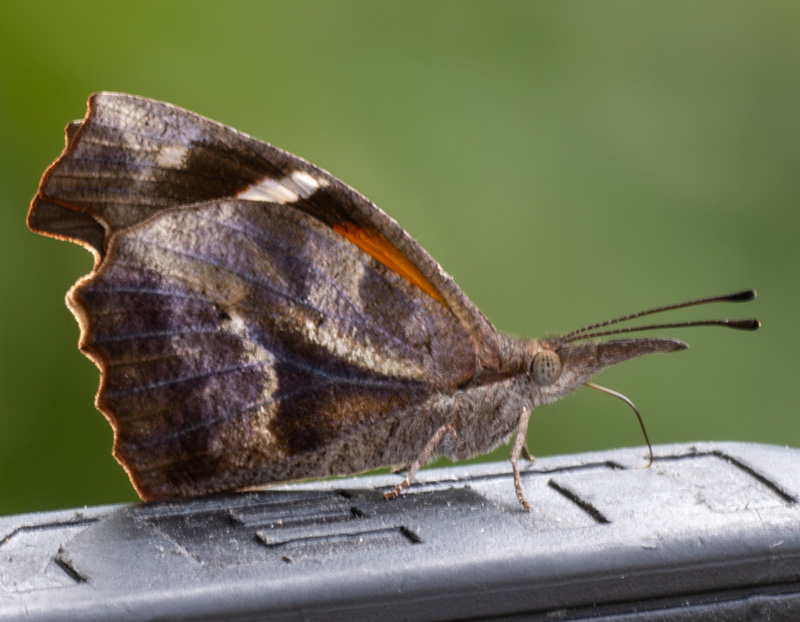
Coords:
pixel 257 320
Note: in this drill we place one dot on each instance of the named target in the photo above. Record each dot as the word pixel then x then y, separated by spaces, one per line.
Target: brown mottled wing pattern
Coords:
pixel 132 157
pixel 248 311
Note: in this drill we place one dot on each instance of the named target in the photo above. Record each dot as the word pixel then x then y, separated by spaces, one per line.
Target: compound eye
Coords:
pixel 546 367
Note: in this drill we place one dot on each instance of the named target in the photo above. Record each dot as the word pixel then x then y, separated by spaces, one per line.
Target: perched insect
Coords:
pixel 256 320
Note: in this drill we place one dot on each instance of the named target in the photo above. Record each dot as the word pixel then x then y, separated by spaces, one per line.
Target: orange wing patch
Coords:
pixel 377 246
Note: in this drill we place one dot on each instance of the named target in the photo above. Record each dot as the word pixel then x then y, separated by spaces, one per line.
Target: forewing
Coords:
pixel 132 158
pixel 236 335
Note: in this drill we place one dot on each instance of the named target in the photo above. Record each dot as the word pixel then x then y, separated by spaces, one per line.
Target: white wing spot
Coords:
pixel 285 190
pixel 268 190
pixel 306 183
pixel 172 156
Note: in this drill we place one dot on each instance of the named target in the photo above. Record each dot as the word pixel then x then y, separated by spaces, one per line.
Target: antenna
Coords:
pixel 590 331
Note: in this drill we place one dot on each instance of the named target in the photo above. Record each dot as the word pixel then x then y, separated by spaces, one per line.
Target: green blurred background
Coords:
pixel 565 161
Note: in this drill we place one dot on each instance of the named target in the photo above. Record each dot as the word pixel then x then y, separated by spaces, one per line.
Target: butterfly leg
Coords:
pixel 423 457
pixel 527 454
pixel 516 450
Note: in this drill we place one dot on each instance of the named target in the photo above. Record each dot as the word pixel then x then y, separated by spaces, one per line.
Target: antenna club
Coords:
pixel 743 296
pixel 750 324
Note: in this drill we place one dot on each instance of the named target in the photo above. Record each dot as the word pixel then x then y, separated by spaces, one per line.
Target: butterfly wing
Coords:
pixel 132 157
pixel 254 319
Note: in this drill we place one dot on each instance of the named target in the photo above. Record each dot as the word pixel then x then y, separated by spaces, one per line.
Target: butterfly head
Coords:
pixel 558 367
pixel 561 364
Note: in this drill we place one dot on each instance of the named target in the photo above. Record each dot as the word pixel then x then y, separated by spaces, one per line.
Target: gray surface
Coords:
pixel 710 531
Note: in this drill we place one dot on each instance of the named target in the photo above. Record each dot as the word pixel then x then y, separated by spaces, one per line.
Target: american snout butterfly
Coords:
pixel 257 320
